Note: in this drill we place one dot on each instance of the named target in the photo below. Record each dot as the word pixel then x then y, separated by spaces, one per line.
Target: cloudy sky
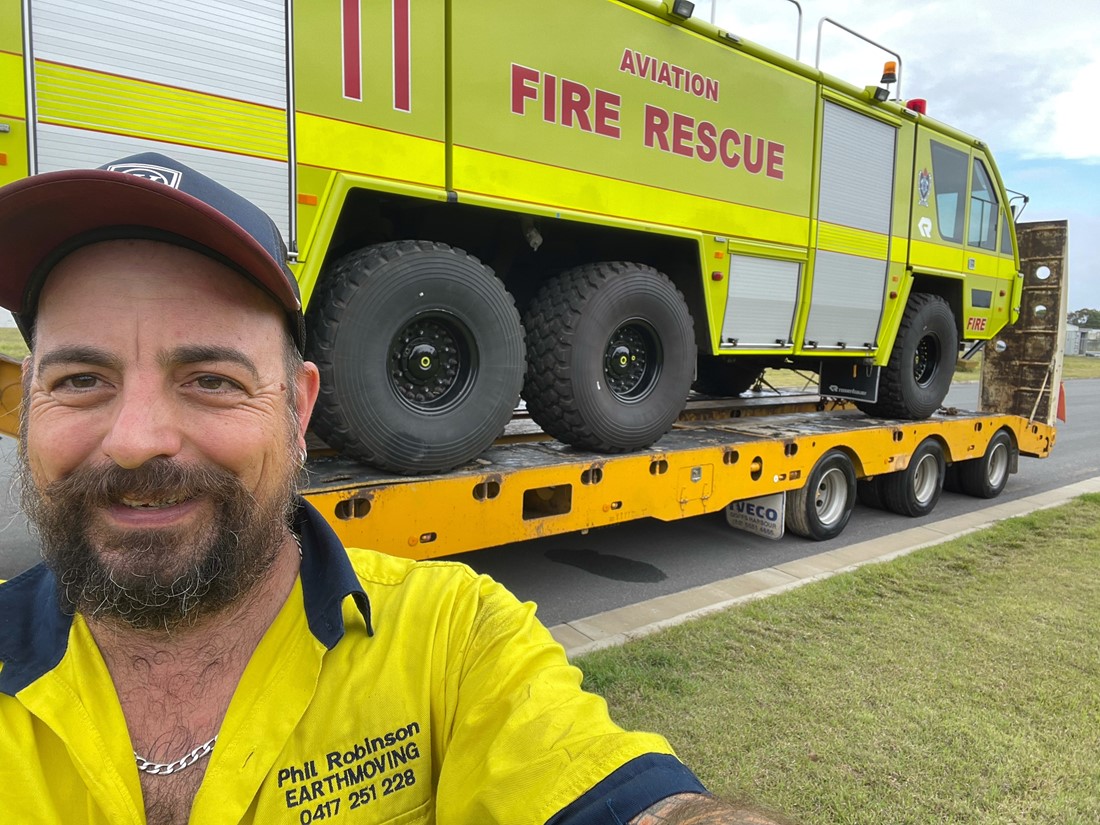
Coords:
pixel 1014 73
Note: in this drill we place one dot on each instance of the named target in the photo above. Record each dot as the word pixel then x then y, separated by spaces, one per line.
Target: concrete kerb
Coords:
pixel 614 627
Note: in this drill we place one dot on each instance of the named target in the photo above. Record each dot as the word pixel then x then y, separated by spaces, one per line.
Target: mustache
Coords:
pixel 104 485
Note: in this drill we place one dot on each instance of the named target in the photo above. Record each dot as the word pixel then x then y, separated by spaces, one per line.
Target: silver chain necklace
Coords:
pixel 185 761
pixel 203 750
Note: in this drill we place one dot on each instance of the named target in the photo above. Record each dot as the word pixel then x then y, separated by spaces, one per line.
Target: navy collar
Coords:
pixel 34 630
pixel 327 577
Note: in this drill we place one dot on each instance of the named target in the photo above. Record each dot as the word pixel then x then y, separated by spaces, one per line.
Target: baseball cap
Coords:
pixel 149 195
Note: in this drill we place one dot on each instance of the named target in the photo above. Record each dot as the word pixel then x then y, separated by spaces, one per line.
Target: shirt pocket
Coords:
pixel 420 815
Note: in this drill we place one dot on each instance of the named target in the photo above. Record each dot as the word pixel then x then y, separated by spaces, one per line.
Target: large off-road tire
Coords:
pixel 915 490
pixel 610 356
pixel 723 376
pixel 421 355
pixel 922 363
pixel 820 510
pixel 987 476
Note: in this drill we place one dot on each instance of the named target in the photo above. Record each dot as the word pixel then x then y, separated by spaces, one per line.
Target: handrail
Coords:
pixel 29 85
pixel 817 58
pixel 291 136
pixel 798 33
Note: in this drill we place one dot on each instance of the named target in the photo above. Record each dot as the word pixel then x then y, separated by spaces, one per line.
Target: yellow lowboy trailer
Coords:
pixel 533 490
pixel 807 457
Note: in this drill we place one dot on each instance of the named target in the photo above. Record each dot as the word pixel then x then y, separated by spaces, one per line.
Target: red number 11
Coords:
pixel 352 43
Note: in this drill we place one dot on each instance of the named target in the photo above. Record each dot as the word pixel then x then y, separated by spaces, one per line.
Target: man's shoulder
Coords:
pixel 376 568
pixel 25 596
pixel 33 628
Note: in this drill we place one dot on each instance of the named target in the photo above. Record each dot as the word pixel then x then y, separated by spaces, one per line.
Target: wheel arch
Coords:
pixel 945 447
pixel 1014 457
pixel 851 453
pixel 502 237
pixel 950 289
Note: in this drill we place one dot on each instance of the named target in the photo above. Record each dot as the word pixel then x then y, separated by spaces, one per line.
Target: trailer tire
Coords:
pixel 820 509
pixel 721 375
pixel 610 356
pixel 869 492
pixel 987 476
pixel 918 375
pixel 915 490
pixel 421 355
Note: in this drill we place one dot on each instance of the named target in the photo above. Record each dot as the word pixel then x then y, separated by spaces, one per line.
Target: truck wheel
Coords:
pixel 987 476
pixel 610 356
pixel 722 375
pixel 820 510
pixel 916 380
pixel 915 490
pixel 421 355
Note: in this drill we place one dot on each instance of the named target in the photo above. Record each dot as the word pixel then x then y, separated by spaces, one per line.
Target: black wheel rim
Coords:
pixel 632 361
pixel 432 363
pixel 926 360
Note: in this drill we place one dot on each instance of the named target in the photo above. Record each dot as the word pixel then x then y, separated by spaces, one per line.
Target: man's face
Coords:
pixel 161 439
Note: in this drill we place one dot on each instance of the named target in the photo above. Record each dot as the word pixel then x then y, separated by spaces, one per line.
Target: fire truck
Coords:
pixel 599 205
pixel 614 209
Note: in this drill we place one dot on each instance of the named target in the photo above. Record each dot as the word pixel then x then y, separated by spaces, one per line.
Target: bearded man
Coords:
pixel 198 646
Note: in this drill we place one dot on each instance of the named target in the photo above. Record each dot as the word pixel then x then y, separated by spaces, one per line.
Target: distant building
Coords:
pixel 1073 339
pixel 1082 340
pixel 1090 341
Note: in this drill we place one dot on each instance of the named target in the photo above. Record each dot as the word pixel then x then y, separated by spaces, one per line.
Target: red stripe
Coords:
pixel 402 58
pixel 353 49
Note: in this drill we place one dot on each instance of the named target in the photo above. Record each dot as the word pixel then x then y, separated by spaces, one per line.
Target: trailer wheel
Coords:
pixel 915 381
pixel 987 476
pixel 915 490
pixel 610 356
pixel 820 510
pixel 721 375
pixel 420 350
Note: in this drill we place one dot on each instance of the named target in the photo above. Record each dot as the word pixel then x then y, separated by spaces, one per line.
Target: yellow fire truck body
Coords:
pixel 570 148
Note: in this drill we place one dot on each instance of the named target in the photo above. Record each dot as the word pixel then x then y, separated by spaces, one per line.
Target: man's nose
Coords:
pixel 145 426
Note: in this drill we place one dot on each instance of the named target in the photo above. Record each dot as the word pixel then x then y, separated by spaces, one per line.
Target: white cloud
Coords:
pixel 1018 74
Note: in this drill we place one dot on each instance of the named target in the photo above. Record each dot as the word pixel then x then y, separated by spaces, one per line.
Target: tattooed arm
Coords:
pixel 696 809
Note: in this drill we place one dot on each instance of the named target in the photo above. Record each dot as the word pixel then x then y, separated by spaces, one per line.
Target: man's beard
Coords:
pixel 155 578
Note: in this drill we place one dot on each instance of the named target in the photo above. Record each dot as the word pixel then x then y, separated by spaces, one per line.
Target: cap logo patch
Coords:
pixel 159 174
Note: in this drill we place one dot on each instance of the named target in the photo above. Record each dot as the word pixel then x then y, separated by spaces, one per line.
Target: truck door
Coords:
pixel 208 87
pixel 939 205
pixel 989 258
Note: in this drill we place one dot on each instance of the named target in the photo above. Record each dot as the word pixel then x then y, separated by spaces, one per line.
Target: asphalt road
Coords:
pixel 574 576
pixel 570 577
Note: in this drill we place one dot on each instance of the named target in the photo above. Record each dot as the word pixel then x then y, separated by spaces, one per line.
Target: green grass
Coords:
pixel 1080 366
pixel 960 684
pixel 11 343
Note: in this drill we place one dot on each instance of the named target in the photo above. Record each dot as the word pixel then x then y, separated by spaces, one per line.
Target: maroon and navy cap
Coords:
pixel 45 217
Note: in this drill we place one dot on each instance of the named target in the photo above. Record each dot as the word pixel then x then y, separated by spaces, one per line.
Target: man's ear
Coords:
pixel 308 384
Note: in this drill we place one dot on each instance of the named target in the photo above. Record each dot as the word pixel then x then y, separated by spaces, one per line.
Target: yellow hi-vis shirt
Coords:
pixel 385 691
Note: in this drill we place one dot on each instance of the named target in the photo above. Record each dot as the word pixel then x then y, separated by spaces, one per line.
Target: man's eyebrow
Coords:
pixel 93 356
pixel 203 354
